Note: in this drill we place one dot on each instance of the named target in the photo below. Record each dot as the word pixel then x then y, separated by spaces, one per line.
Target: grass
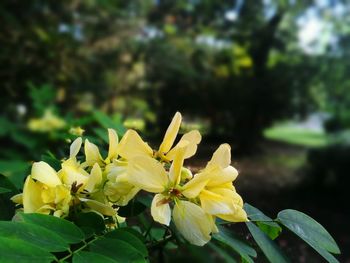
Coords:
pixel 297 136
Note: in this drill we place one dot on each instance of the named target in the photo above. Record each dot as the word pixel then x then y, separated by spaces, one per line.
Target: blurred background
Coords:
pixel 271 77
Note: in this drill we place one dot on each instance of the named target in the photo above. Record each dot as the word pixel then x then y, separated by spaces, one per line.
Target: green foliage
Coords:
pixel 229 240
pixel 297 136
pixel 270 249
pixel 38 237
pixel 265 223
pixel 311 232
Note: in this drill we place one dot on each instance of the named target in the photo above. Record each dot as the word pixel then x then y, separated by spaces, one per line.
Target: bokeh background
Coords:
pixel 271 77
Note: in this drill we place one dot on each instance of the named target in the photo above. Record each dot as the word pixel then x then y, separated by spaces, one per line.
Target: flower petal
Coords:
pixel 238 216
pixel 71 173
pixel 94 179
pixel 75 147
pixel 92 154
pixel 175 168
pixel 45 174
pixel 99 207
pixel 221 176
pixel 132 145
pixel 230 194
pixel 221 157
pixel 193 188
pixel 147 174
pixel 171 133
pixel 192 222
pixel 160 209
pixel 113 144
pixel 193 138
pixel 213 203
pixel 31 196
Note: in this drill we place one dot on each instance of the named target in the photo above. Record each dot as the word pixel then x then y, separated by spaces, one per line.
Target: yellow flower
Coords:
pixel 49 122
pixel 77 131
pixel 92 153
pixel 118 189
pixel 132 144
pixel 193 223
pixel 73 173
pixel 213 186
pixel 148 174
pixel 44 193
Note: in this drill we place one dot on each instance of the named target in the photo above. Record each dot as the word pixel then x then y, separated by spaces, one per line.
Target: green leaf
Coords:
pixel 310 231
pixel 4 190
pixel 106 122
pixel 268 247
pixel 7 206
pixel 91 223
pixel 15 250
pixel 15 171
pixel 134 208
pixel 227 238
pixel 272 229
pixel 67 230
pixel 87 257
pixel 135 232
pixel 255 214
pixel 52 161
pixel 222 253
pixel 116 249
pixel 34 234
pixel 129 238
pixel 265 223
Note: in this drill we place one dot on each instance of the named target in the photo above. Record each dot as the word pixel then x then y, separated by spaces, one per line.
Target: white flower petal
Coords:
pixel 160 210
pixel 192 222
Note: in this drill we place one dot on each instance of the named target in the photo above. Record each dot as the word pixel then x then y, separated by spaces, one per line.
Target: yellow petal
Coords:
pixel 99 207
pixel 45 209
pixel 92 154
pixel 230 194
pixel 193 138
pixel 94 179
pixel 132 145
pixel 120 192
pixel 221 157
pixel 75 147
pixel 31 196
pixel 48 194
pixel 62 194
pixel 193 188
pixel 192 222
pixel 18 199
pixel 171 133
pixel 213 203
pixel 113 143
pixel 238 216
pixel 71 172
pixel 175 168
pixel 45 174
pixel 214 228
pixel 147 174
pixel 221 176
pixel 160 209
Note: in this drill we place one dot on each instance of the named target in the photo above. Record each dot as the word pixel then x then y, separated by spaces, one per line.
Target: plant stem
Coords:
pixel 79 249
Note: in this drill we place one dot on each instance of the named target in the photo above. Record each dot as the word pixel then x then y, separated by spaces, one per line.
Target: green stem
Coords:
pixel 79 249
pixel 148 230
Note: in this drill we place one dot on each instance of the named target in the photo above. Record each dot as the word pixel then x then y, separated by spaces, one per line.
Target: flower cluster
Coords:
pixel 99 184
